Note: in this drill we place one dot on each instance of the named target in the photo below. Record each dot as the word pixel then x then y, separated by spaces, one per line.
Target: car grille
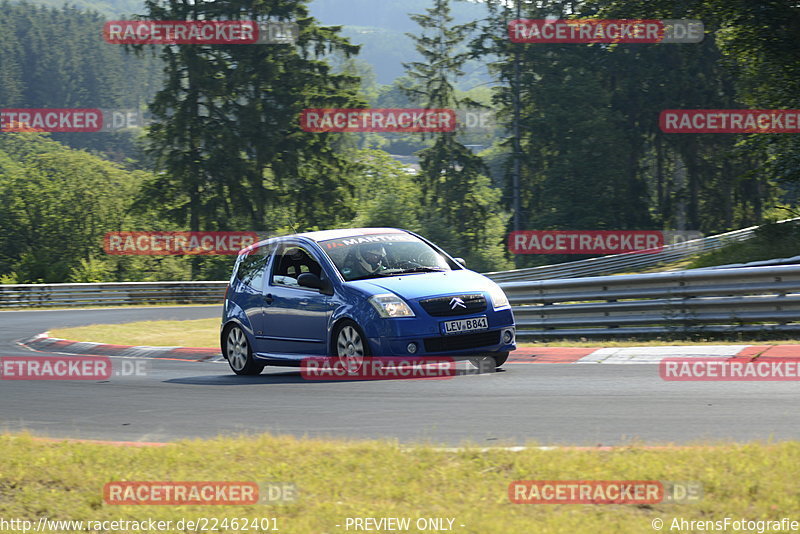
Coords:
pixel 461 341
pixel 443 307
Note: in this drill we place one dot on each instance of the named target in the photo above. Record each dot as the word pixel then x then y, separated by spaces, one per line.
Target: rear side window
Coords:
pixel 292 261
pixel 253 265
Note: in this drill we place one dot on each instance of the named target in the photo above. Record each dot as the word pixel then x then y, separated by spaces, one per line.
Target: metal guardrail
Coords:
pixel 714 300
pixel 112 293
pixel 628 262
pixel 749 299
pixel 777 261
pixel 734 300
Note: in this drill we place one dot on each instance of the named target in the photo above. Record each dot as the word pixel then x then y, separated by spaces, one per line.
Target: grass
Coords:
pixel 340 479
pixel 775 240
pixel 192 333
pixel 205 333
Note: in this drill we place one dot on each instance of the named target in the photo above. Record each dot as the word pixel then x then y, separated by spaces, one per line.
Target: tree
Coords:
pixel 55 58
pixel 461 208
pixel 226 137
pixel 58 203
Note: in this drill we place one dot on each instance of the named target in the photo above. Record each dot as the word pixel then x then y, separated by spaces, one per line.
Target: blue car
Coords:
pixel 355 293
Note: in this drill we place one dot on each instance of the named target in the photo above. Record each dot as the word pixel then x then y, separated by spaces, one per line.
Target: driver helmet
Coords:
pixel 371 256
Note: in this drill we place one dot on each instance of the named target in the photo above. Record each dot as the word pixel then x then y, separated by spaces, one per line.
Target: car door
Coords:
pixel 295 319
pixel 250 278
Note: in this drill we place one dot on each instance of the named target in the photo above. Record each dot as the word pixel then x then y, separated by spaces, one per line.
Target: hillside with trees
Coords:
pixel 225 150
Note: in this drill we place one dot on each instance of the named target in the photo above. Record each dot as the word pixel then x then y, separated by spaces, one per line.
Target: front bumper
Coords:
pixel 398 337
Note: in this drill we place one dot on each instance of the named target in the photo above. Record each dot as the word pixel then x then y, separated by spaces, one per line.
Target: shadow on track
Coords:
pixel 295 377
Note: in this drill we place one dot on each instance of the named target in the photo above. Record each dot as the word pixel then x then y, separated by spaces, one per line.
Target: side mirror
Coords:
pixel 461 261
pixel 313 281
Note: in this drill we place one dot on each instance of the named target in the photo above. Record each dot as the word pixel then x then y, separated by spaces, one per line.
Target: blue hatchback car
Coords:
pixel 349 294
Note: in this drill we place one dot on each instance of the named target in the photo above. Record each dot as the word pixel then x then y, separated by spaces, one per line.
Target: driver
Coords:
pixel 370 258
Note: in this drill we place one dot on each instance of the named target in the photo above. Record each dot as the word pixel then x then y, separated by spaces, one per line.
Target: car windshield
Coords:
pixel 376 255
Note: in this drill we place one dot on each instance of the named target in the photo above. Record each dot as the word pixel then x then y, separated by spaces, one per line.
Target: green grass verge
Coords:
pixel 768 242
pixel 205 333
pixel 191 333
pixel 340 479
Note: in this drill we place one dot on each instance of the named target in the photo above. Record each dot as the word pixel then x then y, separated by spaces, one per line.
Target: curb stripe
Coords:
pixel 523 355
pixel 550 354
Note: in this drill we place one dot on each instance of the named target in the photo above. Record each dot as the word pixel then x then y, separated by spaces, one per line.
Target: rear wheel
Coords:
pixel 489 362
pixel 239 353
pixel 351 346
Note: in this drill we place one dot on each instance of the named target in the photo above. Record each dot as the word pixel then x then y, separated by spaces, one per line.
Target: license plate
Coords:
pixel 465 325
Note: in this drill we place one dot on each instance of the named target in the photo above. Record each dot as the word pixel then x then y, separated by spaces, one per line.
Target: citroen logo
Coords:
pixel 455 302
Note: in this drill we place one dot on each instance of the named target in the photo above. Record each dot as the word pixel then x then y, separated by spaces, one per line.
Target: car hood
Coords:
pixel 420 285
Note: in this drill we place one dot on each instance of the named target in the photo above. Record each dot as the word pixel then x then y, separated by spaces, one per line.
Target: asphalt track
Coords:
pixel 555 404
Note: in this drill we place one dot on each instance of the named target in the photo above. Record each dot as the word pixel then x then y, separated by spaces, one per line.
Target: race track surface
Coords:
pixel 549 404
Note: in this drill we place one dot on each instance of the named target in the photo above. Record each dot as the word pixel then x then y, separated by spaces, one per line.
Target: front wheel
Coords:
pixel 239 353
pixel 489 362
pixel 351 346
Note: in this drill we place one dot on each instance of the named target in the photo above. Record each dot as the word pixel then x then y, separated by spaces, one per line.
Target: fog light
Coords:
pixel 508 336
pixel 411 348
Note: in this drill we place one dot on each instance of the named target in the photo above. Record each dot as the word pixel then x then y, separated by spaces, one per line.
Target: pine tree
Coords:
pixel 226 132
pixel 462 210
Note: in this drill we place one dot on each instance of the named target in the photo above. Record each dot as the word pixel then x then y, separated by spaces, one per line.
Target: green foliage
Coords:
pixel 58 204
pixel 226 132
pixel 56 58
pixel 109 8
pixel 389 196
pixel 228 154
pixel 775 240
pixel 592 154
pixel 760 40
pixel 461 207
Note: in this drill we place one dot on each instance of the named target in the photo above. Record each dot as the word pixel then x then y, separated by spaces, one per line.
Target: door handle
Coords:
pixel 268 298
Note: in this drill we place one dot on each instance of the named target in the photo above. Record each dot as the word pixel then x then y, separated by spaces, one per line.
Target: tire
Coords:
pixel 239 354
pixel 500 358
pixel 350 346
pixel 489 362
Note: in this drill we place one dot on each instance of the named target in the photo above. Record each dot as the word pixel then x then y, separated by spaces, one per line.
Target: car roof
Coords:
pixel 324 235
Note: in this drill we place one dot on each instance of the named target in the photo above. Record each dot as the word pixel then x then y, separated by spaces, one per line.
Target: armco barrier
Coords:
pixel 629 262
pixel 113 293
pixel 748 299
pixel 745 299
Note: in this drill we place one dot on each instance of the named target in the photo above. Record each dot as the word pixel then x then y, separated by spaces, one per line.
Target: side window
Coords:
pixel 252 266
pixel 292 261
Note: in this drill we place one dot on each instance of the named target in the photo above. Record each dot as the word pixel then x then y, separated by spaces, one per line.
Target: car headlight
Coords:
pixel 499 298
pixel 389 305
